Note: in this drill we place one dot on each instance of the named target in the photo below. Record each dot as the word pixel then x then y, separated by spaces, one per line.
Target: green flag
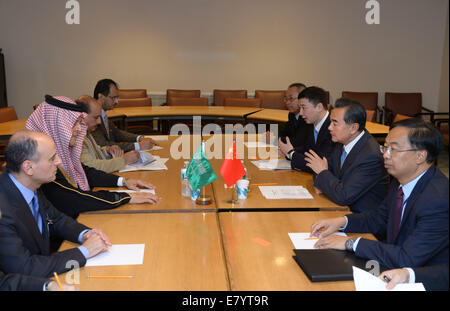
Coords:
pixel 199 171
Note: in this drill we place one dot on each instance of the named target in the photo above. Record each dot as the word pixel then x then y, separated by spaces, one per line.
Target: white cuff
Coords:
pixel 120 182
pixel 412 275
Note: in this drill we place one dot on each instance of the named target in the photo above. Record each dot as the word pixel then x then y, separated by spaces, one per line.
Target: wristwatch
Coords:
pixel 349 244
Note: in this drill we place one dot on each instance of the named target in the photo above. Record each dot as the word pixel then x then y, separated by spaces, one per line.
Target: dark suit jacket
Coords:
pixel 433 277
pixel 15 282
pixel 23 249
pixel 295 129
pixel 423 236
pixel 362 182
pixel 322 147
pixel 72 201
pixel 123 139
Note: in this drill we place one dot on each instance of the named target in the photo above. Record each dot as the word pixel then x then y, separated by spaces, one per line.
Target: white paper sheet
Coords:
pixel 274 164
pixel 364 281
pixel 119 255
pixel 302 240
pixel 258 144
pixel 285 192
pixel 158 137
pixel 157 165
pixel 152 191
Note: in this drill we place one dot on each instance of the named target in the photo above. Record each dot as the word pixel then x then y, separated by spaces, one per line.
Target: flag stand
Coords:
pixel 233 195
pixel 203 199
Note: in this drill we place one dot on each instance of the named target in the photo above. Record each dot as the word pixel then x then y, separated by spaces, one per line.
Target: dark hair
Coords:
pixel 83 102
pixel 103 86
pixel 423 136
pixel 298 85
pixel 18 151
pixel 354 113
pixel 315 95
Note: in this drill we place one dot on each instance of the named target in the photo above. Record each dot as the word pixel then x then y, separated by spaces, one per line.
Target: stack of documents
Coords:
pixel 365 281
pixel 275 164
pixel 302 240
pixel 152 191
pixel 285 192
pixel 158 137
pixel 157 165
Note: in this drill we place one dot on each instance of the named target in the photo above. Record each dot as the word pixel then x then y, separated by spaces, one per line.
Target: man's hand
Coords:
pixel 395 277
pixel 332 242
pixel 147 143
pixel 96 242
pixel 136 185
pixel 54 287
pixel 284 148
pixel 325 227
pixel 115 151
pixel 144 197
pixel 131 157
pixel 315 162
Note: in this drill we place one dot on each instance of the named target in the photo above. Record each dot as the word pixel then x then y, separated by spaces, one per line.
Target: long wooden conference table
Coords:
pixel 219 247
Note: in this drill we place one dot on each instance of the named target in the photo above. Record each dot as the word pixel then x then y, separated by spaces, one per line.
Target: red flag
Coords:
pixel 232 169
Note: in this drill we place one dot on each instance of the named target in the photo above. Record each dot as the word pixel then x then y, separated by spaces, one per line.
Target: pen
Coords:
pixel 111 276
pixel 58 281
pixel 264 184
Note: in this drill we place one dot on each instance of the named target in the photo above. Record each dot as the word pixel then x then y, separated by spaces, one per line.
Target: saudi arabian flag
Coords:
pixel 199 171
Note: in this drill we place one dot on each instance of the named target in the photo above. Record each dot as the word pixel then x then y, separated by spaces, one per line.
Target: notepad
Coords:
pixel 285 192
pixel 365 281
pixel 119 255
pixel 274 164
pixel 302 240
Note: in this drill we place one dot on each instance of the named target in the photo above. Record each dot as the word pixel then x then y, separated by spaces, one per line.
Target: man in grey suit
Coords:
pixel 107 134
pixel 354 173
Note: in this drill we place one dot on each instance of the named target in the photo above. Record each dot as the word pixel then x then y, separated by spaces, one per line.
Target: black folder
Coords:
pixel 322 265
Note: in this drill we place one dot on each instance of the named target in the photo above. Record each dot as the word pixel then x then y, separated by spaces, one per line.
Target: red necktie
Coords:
pixel 397 213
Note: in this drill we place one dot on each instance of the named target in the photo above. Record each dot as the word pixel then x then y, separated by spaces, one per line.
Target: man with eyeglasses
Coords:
pixel 107 134
pixel 296 128
pixel 414 214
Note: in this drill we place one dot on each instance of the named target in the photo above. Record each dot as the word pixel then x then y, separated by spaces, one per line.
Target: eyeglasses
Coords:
pixel 289 99
pixel 391 150
pixel 114 98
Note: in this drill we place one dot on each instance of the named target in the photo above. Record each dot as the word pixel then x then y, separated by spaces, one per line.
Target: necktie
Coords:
pixel 343 156
pixel 35 211
pixel 315 135
pixel 397 213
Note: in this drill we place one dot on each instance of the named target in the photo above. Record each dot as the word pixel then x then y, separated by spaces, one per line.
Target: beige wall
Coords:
pixel 443 93
pixel 235 44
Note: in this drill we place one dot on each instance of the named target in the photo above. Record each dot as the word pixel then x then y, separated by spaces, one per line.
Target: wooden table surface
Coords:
pixel 259 251
pixel 9 128
pixel 183 252
pixel 168 183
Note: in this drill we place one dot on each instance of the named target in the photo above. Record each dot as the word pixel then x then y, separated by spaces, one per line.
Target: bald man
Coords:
pixel 29 220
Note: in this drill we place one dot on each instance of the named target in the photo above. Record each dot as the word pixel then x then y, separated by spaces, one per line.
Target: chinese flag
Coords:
pixel 232 169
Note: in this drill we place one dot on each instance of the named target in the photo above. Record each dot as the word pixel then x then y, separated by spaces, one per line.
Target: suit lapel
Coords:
pixel 415 194
pixel 23 212
pixel 356 150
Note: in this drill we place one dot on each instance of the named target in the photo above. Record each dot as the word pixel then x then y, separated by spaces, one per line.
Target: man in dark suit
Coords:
pixel 16 282
pixel 107 134
pixel 434 278
pixel 296 127
pixel 354 173
pixel 414 215
pixel 29 220
pixel 313 109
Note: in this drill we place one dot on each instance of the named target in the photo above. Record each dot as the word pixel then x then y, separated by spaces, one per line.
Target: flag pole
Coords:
pixel 203 199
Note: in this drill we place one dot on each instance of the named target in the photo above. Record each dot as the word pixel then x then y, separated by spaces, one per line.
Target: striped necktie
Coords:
pixel 397 213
